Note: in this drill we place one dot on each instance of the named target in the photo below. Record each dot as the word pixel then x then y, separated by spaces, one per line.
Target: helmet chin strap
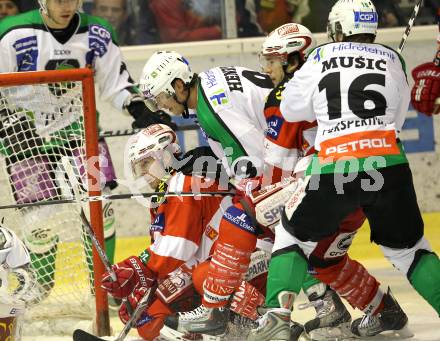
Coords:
pixel 185 113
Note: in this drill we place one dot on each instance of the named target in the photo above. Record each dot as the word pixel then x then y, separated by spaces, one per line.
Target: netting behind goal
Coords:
pixel 45 117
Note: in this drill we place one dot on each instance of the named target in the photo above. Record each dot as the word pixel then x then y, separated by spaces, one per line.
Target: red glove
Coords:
pixel 426 89
pixel 134 299
pixel 130 273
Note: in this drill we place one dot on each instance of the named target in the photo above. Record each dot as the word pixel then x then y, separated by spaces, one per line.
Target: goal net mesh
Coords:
pixel 39 125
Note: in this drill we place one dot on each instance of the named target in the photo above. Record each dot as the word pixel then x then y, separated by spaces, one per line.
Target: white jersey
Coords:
pixel 230 111
pixel 26 44
pixel 359 95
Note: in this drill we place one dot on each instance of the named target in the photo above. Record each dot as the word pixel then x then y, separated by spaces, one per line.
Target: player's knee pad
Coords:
pixel 32 179
pixel 40 228
pixel 403 259
pixel 352 281
pixel 175 285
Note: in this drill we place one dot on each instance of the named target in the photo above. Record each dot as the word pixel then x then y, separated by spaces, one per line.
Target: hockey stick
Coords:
pixel 409 26
pixel 88 228
pixel 81 335
pixel 128 132
pixel 117 197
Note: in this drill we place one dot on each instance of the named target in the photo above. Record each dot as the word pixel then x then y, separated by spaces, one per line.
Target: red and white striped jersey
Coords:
pixel 285 142
pixel 185 229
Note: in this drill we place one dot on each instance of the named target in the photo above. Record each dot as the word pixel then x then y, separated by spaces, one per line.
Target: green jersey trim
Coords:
pixel 33 20
pixel 354 165
pixel 216 129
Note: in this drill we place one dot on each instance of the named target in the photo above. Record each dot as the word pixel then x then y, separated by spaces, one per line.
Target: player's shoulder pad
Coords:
pixel 31 19
pixel 402 61
pixel 88 20
pixel 316 51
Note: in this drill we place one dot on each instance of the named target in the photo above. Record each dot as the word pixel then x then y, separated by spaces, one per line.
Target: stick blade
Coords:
pixel 81 335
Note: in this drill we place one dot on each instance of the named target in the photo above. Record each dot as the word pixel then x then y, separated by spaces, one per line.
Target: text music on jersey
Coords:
pixel 358 63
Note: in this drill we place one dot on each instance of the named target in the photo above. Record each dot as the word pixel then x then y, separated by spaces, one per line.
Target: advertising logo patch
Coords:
pixel 99 39
pixel 27 53
pixel 158 224
pixel 274 124
pixel 240 219
pixel 219 98
pixel 365 17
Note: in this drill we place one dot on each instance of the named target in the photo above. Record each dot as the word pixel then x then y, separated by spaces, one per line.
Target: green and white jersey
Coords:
pixel 230 111
pixel 26 44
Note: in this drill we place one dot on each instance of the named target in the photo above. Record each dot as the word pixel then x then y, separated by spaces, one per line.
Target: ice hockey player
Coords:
pixel 283 53
pixel 425 94
pixel 184 230
pixel 229 104
pixel 359 162
pixel 14 261
pixel 57 37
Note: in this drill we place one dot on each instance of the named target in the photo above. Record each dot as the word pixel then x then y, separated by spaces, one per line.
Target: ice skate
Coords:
pixel 211 321
pixel 332 318
pixel 391 321
pixel 275 323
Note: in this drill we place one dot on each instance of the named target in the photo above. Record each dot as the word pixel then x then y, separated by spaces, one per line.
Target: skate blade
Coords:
pixel 341 332
pixel 169 334
pixel 404 333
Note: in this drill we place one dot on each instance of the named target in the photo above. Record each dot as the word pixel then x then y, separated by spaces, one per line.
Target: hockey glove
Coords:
pixel 426 89
pixel 144 117
pixel 130 273
pixel 134 299
pixel 192 163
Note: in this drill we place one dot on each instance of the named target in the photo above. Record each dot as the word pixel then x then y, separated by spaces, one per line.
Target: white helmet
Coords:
pixel 152 151
pixel 286 39
pixel 43 5
pixel 351 17
pixel 160 71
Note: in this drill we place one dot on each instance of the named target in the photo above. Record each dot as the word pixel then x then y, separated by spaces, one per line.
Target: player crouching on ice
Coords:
pixel 184 231
pixel 14 260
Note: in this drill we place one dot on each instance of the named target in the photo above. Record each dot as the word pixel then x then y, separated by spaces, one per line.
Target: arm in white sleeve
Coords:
pixel 8 60
pixel 297 98
pixel 113 78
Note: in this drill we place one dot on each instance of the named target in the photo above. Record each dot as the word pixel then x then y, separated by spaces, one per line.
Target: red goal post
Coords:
pixel 85 76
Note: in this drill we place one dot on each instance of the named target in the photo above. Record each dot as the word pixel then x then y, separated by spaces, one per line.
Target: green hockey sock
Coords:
pixel 425 278
pixel 110 246
pixel 286 273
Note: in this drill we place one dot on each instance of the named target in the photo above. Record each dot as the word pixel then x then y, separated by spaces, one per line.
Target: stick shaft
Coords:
pixel 409 26
pixel 128 132
pixel 115 197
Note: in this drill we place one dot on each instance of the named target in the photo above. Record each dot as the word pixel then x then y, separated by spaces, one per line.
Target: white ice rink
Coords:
pixel 423 320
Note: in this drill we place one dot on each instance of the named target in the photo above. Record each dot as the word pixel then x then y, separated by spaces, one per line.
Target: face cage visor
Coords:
pixel 157 103
pixel 270 61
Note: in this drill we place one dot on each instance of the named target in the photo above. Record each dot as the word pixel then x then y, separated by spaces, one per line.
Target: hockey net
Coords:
pixel 44 117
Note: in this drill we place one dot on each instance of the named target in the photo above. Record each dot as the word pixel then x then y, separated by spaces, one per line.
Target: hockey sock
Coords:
pixel 109 230
pixel 44 265
pixel 110 246
pixel 287 272
pixel 309 281
pixel 425 277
